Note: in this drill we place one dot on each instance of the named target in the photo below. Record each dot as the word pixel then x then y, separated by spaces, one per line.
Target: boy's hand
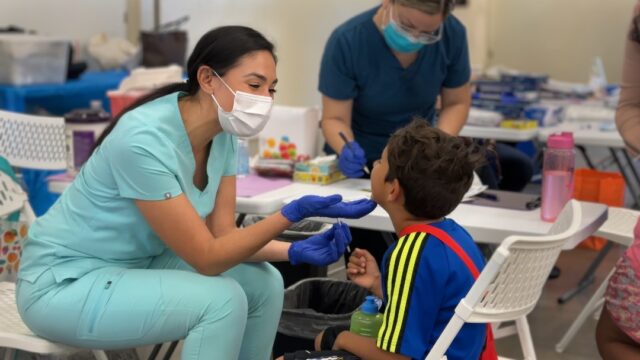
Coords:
pixel 363 271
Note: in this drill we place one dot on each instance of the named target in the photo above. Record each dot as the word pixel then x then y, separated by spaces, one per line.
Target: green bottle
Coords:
pixel 367 320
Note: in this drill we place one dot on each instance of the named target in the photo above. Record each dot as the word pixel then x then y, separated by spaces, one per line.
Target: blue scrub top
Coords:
pixel 96 223
pixel 358 64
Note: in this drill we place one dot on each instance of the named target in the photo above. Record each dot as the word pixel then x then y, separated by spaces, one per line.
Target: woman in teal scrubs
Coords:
pixel 142 248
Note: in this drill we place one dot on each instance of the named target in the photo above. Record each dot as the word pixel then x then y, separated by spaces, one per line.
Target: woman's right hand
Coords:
pixel 326 206
pixel 363 270
pixel 352 160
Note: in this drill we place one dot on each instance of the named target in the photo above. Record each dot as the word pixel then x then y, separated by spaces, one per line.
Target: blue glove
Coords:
pixel 326 206
pixel 351 160
pixel 322 249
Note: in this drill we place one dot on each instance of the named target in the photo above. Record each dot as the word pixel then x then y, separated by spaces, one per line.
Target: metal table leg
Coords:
pixel 170 350
pixel 240 219
pixel 588 277
pixel 634 171
pixel 388 237
pixel 624 174
pixel 586 157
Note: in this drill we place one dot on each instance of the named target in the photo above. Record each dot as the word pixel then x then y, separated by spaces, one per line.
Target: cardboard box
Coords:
pixel 319 171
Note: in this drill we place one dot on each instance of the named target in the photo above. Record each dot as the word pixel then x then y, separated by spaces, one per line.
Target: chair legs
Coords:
pixel 9 354
pixel 438 350
pixel 526 342
pixel 100 354
pixel 594 303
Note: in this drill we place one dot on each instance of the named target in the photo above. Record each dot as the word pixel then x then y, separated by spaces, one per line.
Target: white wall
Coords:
pixel 298 28
pixel 72 19
pixel 559 37
pixel 475 17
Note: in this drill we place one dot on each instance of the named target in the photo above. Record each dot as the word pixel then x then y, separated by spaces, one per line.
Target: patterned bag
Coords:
pixel 13 235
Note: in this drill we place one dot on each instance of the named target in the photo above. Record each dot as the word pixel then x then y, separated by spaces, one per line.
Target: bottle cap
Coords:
pixel 562 140
pixel 370 306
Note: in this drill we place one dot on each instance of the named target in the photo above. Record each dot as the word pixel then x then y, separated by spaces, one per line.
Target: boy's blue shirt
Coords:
pixel 423 282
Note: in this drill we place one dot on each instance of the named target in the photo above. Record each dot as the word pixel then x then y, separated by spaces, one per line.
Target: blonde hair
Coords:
pixel 431 7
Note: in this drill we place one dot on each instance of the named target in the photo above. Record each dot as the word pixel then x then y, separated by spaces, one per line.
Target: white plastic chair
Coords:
pixel 511 283
pixel 14 334
pixel 35 142
pixel 618 228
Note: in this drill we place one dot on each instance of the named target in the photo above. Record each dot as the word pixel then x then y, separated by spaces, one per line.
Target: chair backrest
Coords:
pixel 12 197
pixel 300 124
pixel 35 142
pixel 511 284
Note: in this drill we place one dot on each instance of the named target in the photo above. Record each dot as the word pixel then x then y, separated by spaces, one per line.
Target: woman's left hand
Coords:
pixel 322 249
pixel 326 206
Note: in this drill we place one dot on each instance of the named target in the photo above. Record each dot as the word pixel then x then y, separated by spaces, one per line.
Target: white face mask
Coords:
pixel 249 114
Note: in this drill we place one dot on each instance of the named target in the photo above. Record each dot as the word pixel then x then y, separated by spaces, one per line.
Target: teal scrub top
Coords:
pixel 96 223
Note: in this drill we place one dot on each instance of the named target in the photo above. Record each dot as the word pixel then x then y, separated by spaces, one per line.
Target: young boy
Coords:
pixel 422 176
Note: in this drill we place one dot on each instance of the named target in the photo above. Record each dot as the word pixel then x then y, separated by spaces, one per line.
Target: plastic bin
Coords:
pixel 30 59
pixel 312 305
pixel 120 100
pixel 601 187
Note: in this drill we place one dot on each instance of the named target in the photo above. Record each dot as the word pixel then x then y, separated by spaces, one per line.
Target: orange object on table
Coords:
pixel 601 187
pixel 120 100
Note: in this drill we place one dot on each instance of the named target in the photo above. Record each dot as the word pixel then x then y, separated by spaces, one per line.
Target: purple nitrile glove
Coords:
pixel 352 160
pixel 322 249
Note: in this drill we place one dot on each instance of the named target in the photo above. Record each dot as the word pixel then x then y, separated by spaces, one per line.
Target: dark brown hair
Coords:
pixel 220 49
pixel 433 168
pixel 634 34
pixel 431 7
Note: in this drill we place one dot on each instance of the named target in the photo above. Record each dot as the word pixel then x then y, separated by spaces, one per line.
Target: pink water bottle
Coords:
pixel 557 174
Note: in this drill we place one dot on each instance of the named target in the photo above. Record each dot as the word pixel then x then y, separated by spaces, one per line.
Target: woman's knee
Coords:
pixel 262 283
pixel 226 297
pixel 270 280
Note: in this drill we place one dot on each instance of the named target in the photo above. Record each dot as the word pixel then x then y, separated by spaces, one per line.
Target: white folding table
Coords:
pixel 485 224
pixel 498 133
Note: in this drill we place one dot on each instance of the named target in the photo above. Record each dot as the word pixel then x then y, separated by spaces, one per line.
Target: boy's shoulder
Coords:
pixel 427 250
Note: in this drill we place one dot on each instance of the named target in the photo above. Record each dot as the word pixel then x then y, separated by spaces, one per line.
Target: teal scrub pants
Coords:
pixel 231 316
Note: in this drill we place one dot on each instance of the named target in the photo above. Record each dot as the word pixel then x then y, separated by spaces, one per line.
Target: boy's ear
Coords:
pixel 394 191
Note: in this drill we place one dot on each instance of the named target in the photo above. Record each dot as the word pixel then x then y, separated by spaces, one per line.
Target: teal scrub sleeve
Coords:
pixel 139 174
pixel 337 76
pixel 459 68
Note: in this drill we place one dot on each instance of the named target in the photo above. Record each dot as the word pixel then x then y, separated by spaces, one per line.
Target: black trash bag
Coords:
pixel 314 304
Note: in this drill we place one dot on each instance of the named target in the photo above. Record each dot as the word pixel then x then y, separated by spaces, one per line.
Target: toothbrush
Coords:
pixel 348 247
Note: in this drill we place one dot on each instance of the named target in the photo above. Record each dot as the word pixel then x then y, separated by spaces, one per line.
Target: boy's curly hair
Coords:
pixel 433 168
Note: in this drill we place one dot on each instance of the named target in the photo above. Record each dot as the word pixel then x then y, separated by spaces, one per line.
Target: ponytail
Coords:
pixel 158 93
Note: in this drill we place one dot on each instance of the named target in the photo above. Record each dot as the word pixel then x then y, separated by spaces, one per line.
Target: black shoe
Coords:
pixel 555 273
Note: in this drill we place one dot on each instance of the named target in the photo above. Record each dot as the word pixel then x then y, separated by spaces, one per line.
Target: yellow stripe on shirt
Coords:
pixel 383 338
pixel 394 283
pixel 409 272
